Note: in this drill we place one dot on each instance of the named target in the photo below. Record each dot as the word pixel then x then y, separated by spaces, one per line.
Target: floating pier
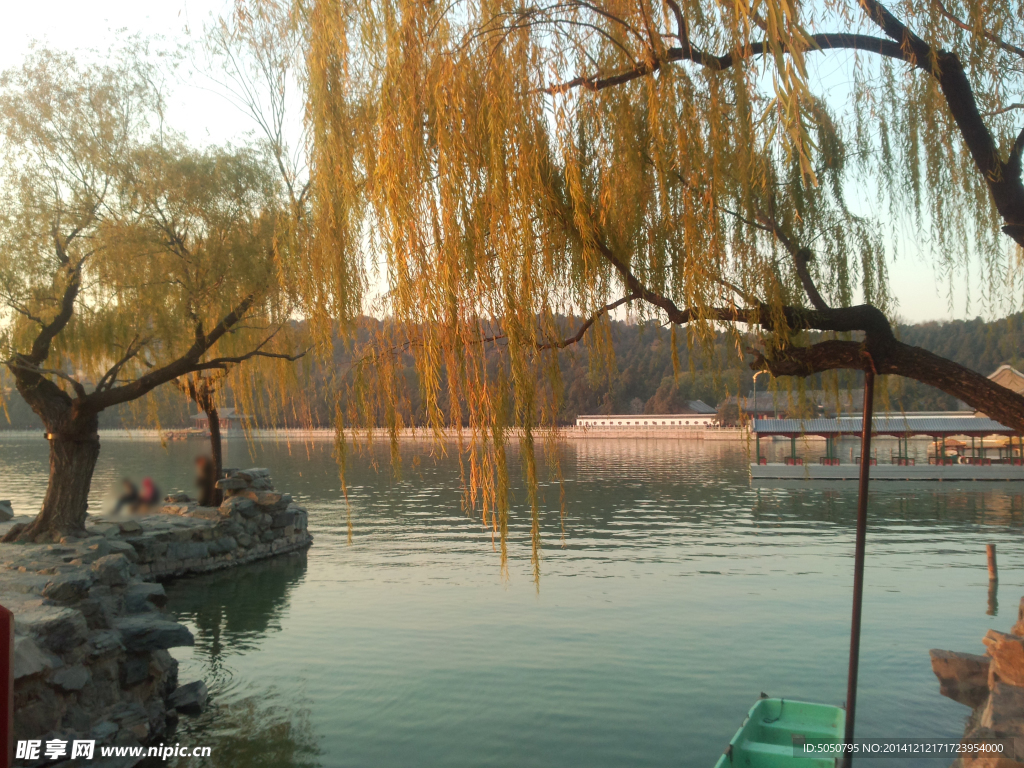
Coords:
pixel 944 465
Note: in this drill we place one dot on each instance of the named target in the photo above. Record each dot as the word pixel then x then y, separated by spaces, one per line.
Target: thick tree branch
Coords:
pixel 1003 178
pixel 41 345
pixel 187 363
pixel 20 364
pixel 581 332
pixel 899 359
pixel 222 363
pixel 687 52
pixel 801 258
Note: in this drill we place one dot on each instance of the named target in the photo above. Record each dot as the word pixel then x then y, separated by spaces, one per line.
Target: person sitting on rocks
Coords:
pixel 129 498
pixel 150 496
pixel 206 481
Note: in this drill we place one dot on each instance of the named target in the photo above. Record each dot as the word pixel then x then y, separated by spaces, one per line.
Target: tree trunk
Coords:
pixel 74 448
pixel 216 451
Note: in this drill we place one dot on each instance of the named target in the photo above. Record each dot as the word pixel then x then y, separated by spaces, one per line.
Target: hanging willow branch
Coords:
pixel 505 167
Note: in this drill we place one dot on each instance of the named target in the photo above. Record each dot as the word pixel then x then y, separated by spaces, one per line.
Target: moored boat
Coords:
pixel 781 733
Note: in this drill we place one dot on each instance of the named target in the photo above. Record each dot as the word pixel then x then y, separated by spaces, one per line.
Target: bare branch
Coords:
pixel 110 377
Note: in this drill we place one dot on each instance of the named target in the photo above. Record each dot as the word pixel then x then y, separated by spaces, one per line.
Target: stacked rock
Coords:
pixel 993 686
pixel 254 522
pixel 91 659
pixel 90 644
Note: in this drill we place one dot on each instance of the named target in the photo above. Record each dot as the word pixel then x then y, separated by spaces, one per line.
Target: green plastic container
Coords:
pixel 772 728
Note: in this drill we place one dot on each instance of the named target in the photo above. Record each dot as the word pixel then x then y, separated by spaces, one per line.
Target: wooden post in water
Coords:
pixel 993 580
pixel 858 562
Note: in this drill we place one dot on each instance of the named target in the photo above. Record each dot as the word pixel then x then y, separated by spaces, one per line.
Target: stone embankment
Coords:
pixel 992 684
pixel 91 658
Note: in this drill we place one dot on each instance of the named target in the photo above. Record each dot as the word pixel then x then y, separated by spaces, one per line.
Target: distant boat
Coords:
pixel 776 731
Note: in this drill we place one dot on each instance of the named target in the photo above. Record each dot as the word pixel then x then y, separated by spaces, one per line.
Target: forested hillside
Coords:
pixel 641 379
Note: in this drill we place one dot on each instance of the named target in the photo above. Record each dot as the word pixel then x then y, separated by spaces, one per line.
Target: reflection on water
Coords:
pixel 230 613
pixel 681 593
pixel 255 732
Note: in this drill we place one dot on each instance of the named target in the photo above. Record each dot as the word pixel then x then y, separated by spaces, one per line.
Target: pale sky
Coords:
pixel 207 117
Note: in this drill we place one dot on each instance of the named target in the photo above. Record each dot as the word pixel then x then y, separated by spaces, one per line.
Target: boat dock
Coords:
pixel 951 460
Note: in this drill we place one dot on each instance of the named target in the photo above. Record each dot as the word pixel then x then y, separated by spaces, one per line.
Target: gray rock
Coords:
pixel 963 677
pixel 54 628
pixel 99 548
pixel 1003 710
pixel 98 611
pixel 284 519
pixel 146 633
pixel 69 587
pixel 268 501
pixel 29 659
pixel 118 547
pixel 190 699
pixel 232 484
pixel 253 473
pixel 259 478
pixel 73 678
pixel 206 513
pixel 113 570
pixel 149 549
pixel 102 643
pixel 223 545
pixel 23 583
pixel 187 550
pixel 103 732
pixel 243 506
pixel 6 510
pixel 177 498
pixel 144 596
pixel 130 526
pixel 135 669
pixel 178 509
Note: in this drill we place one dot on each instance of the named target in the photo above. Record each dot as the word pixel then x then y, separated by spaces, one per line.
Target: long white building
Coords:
pixel 648 421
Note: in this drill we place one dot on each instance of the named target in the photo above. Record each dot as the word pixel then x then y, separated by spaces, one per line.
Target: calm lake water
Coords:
pixel 679 595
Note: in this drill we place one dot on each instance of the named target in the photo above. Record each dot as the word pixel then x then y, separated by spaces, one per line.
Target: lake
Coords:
pixel 679 594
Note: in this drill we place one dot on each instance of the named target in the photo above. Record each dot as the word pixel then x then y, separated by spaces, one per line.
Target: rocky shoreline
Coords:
pixel 91 656
pixel 992 684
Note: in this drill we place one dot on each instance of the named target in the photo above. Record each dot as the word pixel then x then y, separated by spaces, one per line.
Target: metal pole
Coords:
pixel 858 561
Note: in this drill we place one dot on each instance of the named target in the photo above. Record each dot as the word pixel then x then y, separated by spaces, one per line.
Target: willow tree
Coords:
pixel 127 259
pixel 751 165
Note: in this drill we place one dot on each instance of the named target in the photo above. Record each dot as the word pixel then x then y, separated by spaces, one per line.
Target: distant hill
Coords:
pixel 645 381
pixel 642 378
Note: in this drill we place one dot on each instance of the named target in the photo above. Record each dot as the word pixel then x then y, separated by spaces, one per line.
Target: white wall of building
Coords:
pixel 632 421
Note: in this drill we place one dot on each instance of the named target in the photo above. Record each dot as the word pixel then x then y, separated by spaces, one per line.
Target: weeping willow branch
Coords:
pixel 1003 177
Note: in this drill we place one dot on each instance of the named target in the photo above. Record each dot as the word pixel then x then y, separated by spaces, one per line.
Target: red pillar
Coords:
pixel 7 679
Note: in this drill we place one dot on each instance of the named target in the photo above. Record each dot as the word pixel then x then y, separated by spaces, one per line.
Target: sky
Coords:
pixel 206 116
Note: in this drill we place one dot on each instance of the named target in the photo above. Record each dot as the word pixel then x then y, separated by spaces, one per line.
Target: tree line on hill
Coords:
pixel 639 377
